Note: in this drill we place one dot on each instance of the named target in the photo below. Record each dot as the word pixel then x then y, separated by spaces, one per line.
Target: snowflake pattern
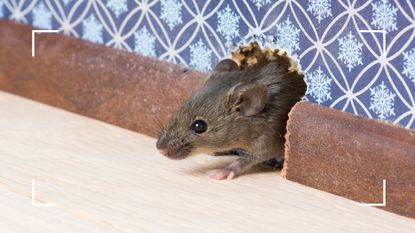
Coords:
pixel 350 51
pixel 262 39
pixel 228 23
pixel 42 17
pixel 200 56
pixel 318 85
pixel 171 12
pixel 384 15
pixel 92 29
pixel 409 64
pixel 287 36
pixel 145 43
pixel 198 34
pixel 382 101
pixel 117 6
pixel 260 3
pixel 320 8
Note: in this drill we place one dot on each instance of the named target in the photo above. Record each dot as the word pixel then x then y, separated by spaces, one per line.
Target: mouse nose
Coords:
pixel 163 151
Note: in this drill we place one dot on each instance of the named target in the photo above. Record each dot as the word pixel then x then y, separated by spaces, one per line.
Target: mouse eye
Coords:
pixel 199 126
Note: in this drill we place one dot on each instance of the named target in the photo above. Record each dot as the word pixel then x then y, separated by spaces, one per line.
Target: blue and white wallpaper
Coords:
pixel 358 55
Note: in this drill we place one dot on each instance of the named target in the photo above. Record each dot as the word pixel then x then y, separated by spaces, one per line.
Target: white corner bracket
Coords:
pixel 383 204
pixel 34 200
pixel 383 37
pixel 39 31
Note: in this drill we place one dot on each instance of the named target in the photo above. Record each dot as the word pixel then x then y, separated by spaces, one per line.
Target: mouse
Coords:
pixel 241 109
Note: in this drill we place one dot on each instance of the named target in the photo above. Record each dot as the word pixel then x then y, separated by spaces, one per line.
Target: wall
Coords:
pixel 366 73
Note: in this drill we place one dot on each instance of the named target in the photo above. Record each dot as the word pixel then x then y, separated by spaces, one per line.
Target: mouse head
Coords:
pixel 213 118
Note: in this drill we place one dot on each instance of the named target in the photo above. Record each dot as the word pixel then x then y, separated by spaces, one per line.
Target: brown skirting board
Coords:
pixel 329 150
pixel 350 155
pixel 108 84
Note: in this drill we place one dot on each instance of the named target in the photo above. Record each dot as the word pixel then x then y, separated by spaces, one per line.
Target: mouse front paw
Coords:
pixel 221 174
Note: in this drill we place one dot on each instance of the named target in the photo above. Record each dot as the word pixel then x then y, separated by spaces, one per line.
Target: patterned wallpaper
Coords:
pixel 358 55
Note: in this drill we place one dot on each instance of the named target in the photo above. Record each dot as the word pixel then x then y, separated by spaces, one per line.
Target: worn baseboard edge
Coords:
pixel 350 156
pixel 111 85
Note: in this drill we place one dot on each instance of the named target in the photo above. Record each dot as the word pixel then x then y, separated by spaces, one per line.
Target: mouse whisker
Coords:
pixel 154 118
pixel 156 121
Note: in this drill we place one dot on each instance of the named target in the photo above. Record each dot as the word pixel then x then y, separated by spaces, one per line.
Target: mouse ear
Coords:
pixel 249 99
pixel 226 65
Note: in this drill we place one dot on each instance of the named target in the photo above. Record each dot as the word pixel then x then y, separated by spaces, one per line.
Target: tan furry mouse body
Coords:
pixel 243 105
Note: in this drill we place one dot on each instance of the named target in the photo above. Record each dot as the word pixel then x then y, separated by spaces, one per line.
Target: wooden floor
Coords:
pixel 107 179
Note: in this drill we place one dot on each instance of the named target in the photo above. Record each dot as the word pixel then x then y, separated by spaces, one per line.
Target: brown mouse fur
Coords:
pixel 243 109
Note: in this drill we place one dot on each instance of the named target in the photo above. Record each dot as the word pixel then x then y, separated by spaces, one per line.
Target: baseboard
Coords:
pixel 139 93
pixel 350 156
pixel 108 84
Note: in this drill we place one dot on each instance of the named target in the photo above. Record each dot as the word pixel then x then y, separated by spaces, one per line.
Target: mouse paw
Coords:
pixel 220 174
